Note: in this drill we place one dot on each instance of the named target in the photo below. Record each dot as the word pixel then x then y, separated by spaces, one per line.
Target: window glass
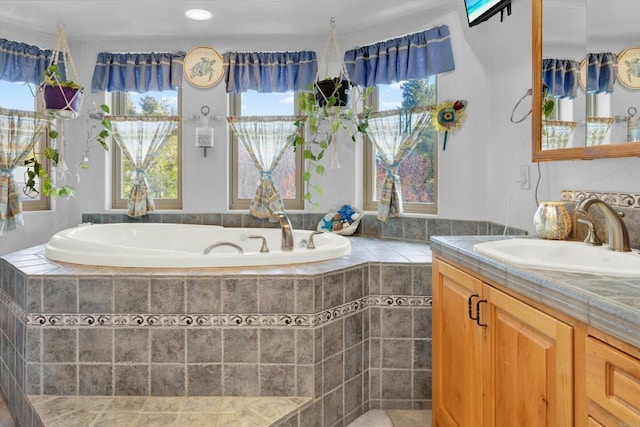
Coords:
pixel 164 175
pixel 287 175
pixel 418 171
pixel 21 96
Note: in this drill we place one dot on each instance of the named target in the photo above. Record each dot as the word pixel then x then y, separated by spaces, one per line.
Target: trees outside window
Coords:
pixel 21 96
pixel 244 175
pixel 164 176
pixel 418 172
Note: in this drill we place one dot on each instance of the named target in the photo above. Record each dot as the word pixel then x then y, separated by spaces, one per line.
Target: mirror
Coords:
pixel 597 113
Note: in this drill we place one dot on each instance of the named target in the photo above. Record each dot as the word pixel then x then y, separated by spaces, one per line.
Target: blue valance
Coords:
pixel 601 72
pixel 561 77
pixel 137 72
pixel 21 62
pixel 416 56
pixel 269 71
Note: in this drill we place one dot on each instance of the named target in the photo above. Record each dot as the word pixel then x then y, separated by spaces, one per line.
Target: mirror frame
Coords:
pixel 625 149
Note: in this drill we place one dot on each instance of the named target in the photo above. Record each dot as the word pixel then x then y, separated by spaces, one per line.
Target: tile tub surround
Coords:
pixel 352 333
pixel 608 303
pixel 419 229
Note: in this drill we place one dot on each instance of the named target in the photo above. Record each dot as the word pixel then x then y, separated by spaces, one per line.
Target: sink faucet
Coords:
pixel 287 232
pixel 616 229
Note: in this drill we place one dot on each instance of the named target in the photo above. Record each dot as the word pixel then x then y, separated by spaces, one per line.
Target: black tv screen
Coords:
pixel 480 10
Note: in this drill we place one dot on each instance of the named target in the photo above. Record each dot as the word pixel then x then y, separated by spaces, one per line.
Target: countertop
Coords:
pixel 608 303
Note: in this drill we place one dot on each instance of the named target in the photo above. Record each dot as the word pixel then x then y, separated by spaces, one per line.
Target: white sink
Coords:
pixel 562 255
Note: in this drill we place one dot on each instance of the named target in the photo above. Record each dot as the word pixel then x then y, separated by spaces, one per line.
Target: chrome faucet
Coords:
pixel 616 229
pixel 287 231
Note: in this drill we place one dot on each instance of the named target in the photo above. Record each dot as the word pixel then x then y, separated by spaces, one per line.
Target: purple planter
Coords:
pixel 62 98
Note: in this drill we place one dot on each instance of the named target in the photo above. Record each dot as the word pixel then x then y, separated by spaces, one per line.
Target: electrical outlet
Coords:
pixel 525 178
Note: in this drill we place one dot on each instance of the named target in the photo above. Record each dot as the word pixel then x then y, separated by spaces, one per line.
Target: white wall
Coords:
pixel 477 172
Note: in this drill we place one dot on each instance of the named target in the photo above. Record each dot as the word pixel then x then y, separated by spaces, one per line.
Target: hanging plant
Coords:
pixel 329 106
pixel 62 99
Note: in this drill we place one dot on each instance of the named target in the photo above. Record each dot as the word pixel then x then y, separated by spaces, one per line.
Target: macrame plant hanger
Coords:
pixel 61 101
pixel 70 98
pixel 332 47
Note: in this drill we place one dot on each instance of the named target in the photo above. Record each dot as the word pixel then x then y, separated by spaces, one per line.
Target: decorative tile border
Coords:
pixel 623 200
pixel 226 320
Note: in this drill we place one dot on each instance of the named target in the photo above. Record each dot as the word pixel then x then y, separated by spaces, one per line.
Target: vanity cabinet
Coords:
pixel 613 384
pixel 496 360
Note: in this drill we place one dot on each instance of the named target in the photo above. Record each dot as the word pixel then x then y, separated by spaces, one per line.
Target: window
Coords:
pixel 164 176
pixel 244 175
pixel 418 172
pixel 21 96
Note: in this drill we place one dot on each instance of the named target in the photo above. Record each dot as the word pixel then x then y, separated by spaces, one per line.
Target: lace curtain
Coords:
pixel 266 139
pixel 415 56
pixel 141 138
pixel 395 134
pixel 19 131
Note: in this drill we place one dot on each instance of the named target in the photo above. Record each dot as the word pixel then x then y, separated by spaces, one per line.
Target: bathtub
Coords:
pixel 183 245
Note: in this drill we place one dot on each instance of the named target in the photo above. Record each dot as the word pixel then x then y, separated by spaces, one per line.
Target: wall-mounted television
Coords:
pixel 480 10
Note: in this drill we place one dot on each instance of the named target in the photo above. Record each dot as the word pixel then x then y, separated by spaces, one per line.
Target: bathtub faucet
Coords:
pixel 287 232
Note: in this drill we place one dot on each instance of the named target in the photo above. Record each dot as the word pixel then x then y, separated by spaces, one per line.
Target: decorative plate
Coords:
pixel 203 67
pixel 629 67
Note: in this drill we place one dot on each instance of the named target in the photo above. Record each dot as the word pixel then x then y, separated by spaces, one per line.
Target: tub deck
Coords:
pixel 193 411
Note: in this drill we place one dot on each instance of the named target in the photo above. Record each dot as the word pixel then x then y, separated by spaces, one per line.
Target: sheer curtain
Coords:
pixel 266 139
pixel 395 134
pixel 19 131
pixel 141 138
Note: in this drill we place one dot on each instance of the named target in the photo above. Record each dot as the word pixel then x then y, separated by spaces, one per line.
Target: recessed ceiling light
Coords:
pixel 198 14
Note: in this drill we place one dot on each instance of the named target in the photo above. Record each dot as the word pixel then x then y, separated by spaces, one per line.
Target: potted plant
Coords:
pixel 61 97
pixel 52 154
pixel 326 112
pixel 336 87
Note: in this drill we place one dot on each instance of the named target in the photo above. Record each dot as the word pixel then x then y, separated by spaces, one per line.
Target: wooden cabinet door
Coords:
pixel 613 383
pixel 457 346
pixel 528 364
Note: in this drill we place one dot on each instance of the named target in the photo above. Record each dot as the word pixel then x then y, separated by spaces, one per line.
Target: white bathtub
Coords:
pixel 182 245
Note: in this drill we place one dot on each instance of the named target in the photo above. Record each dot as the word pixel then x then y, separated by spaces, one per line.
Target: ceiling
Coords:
pixel 164 19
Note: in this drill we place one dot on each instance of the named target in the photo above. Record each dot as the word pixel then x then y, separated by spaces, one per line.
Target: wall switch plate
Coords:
pixel 525 178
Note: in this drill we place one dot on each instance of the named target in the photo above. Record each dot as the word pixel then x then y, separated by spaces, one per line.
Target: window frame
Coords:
pixel 118 100
pixel 43 203
pixel 238 203
pixel 369 160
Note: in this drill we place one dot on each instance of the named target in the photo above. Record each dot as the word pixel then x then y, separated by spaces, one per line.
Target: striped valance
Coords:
pixel 137 72
pixel 21 62
pixel 269 71
pixel 415 56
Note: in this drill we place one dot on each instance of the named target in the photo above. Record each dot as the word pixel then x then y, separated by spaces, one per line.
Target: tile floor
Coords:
pixel 230 412
pixel 5 416
pixel 393 418
pixel 141 411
